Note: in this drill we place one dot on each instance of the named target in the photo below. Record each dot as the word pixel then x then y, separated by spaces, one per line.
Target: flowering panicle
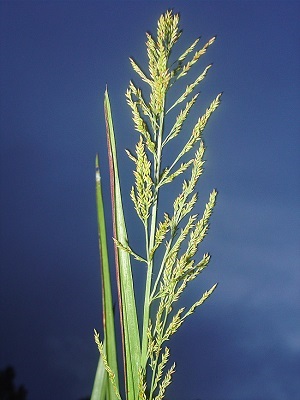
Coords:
pixel 172 243
pixel 169 276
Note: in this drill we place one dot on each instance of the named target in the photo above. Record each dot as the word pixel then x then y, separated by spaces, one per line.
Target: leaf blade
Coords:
pixel 129 322
pixel 107 303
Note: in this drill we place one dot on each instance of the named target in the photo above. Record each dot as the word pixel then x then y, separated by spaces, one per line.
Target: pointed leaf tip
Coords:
pixel 97 169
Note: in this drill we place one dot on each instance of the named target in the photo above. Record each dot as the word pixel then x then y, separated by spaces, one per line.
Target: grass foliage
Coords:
pixel 147 367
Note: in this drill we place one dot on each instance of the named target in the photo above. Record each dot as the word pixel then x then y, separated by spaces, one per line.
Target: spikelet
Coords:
pixel 185 69
pixel 160 234
pixel 166 177
pixel 198 303
pixel 142 385
pixel 188 50
pixel 128 250
pixel 201 228
pixel 111 374
pixel 172 256
pixel 174 324
pixel 158 54
pixel 164 359
pixel 139 71
pixel 190 87
pixel 181 117
pixel 142 194
pixel 140 124
pixel 165 383
pixel 200 125
pixel 181 206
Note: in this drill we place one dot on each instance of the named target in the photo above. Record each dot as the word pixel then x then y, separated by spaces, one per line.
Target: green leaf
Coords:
pixel 108 312
pixel 129 322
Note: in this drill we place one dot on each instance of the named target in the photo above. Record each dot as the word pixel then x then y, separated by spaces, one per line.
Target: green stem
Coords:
pixel 157 165
pixel 161 269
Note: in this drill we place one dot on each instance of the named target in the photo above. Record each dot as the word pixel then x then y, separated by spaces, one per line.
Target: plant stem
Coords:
pixel 167 251
pixel 147 301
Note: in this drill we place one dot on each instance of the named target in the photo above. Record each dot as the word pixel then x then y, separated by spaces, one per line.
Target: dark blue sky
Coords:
pixel 56 58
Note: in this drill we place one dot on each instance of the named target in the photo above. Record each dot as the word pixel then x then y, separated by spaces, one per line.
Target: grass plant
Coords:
pixel 170 254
